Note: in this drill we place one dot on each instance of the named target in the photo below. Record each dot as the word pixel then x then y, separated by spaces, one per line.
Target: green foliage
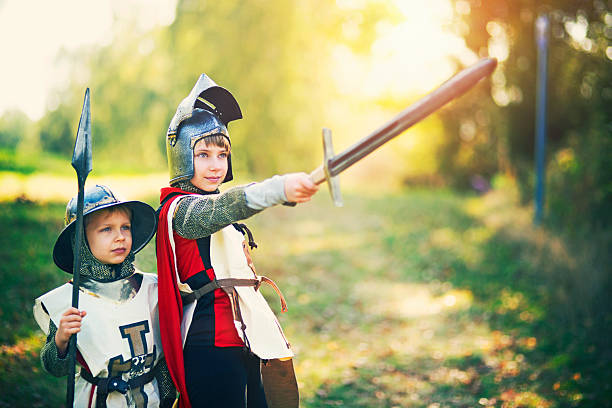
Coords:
pixel 55 134
pixel 580 180
pixel 8 161
pixel 273 56
pixel 26 161
pixel 274 59
pixel 13 127
pixel 579 97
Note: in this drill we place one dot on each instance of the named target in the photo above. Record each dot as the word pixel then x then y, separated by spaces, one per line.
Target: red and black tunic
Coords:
pixel 212 323
pixel 213 319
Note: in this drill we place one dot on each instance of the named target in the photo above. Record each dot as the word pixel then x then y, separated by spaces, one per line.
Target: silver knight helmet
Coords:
pixel 144 222
pixel 206 111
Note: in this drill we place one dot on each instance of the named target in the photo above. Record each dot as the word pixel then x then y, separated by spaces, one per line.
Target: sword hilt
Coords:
pixel 321 173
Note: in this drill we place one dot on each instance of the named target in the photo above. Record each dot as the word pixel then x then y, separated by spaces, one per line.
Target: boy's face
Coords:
pixel 109 235
pixel 209 165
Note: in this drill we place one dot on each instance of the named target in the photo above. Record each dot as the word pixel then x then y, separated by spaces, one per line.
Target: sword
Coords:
pixel 454 87
pixel 81 161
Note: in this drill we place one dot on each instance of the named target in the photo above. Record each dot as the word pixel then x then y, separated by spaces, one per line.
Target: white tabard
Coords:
pixel 117 338
pixel 263 331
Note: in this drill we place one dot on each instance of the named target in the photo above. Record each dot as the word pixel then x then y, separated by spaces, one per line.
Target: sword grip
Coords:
pixel 318 175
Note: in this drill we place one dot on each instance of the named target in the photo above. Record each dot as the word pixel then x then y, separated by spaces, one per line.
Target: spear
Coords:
pixel 81 161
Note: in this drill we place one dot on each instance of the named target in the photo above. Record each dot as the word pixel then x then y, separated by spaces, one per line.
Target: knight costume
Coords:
pixel 119 353
pixel 208 288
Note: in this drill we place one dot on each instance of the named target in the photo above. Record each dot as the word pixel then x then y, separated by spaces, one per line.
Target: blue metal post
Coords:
pixel 542 29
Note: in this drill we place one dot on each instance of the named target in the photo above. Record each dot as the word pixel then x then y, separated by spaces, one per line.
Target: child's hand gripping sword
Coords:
pixel 81 161
pixel 449 90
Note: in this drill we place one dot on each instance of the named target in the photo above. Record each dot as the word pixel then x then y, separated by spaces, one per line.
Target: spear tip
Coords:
pixel 81 157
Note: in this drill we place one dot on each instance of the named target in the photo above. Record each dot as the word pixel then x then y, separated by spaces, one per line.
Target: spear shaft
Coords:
pixel 81 161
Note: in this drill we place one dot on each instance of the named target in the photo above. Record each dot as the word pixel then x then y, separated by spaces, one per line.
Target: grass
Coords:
pixel 414 299
pixel 27 270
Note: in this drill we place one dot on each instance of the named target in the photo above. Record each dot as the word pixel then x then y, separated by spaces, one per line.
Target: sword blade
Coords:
pixel 449 90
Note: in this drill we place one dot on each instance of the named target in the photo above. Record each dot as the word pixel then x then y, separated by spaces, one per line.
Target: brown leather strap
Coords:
pixel 217 284
pixel 238 314
pixel 233 282
pixel 278 292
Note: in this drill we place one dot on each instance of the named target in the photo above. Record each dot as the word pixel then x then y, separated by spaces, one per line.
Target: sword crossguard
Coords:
pixel 322 173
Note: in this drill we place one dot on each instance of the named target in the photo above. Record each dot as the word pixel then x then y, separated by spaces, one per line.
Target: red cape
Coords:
pixel 169 300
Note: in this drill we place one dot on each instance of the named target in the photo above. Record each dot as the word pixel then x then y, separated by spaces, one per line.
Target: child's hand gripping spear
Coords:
pixel 81 161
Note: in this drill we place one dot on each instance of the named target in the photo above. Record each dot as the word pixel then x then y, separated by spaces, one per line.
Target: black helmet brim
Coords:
pixel 144 225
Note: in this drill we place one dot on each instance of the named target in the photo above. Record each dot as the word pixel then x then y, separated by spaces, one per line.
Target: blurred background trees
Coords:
pixel 500 138
pixel 273 56
pixel 278 59
pixel 298 66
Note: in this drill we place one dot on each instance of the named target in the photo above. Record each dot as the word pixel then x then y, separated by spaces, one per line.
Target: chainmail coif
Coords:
pixel 92 268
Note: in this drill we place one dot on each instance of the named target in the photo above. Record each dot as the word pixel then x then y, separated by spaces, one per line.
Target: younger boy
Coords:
pixel 119 352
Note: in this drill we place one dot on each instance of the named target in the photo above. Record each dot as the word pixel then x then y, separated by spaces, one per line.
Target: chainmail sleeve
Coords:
pixel 167 391
pixel 49 355
pixel 203 215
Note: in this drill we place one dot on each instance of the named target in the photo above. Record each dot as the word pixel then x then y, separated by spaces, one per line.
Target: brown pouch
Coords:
pixel 280 385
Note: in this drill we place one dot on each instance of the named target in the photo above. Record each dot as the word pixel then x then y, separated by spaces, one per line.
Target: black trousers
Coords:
pixel 224 377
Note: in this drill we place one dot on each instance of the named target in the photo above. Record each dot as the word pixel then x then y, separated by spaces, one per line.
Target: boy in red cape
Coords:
pixel 216 327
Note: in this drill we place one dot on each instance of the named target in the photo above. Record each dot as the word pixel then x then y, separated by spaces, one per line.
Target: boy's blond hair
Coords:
pixel 217 140
pixel 110 210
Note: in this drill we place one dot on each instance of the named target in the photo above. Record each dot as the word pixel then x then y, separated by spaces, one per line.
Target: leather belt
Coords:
pixel 107 385
pixel 232 282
